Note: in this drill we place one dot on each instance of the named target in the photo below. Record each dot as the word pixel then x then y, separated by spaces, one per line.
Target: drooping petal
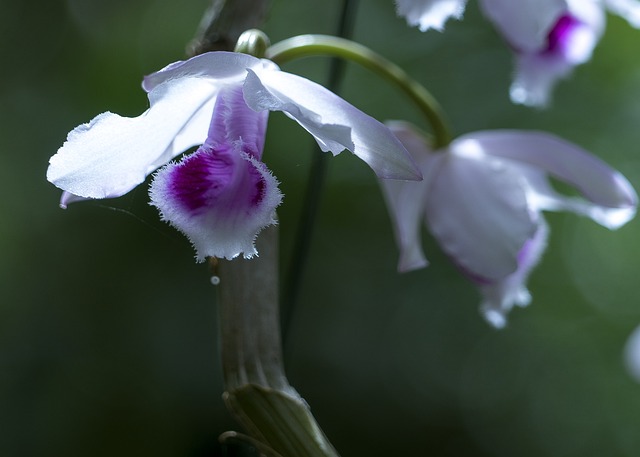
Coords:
pixel 335 124
pixel 111 155
pixel 501 296
pixel 611 200
pixel 221 196
pixel 525 24
pixel 627 9
pixel 430 14
pixel 406 200
pixel 477 209
pixel 535 77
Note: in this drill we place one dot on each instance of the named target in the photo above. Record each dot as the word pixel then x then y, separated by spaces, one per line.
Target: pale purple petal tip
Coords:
pixel 502 295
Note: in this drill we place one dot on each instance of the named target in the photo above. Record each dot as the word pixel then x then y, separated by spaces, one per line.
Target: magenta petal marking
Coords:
pixel 212 176
pixel 560 35
pixel 219 198
pixel 220 178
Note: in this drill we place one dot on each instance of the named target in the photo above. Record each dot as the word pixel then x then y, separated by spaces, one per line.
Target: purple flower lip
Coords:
pixel 207 177
pixel 222 195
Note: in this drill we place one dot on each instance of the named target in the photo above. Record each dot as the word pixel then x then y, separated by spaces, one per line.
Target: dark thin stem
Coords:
pixel 224 21
pixel 316 181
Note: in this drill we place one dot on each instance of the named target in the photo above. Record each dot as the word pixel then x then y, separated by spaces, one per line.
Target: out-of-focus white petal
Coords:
pixel 477 209
pixel 535 77
pixel 430 14
pixel 542 196
pixel 632 354
pixel 335 124
pixel 611 199
pixel 569 41
pixel 628 9
pixel 579 44
pixel 406 200
pixel 111 155
pixel 501 296
pixel 525 24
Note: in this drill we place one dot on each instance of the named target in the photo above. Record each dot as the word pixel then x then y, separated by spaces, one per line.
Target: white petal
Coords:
pixel 406 199
pixel 536 76
pixel 592 16
pixel 112 154
pixel 569 41
pixel 500 297
pixel 335 124
pixel 525 24
pixel 632 354
pixel 628 9
pixel 611 200
pixel 477 209
pixel 430 14
pixel 224 67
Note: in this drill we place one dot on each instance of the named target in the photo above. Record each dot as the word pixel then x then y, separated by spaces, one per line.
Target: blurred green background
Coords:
pixel 108 342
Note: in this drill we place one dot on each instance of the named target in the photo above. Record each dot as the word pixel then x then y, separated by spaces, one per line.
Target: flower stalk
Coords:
pixel 257 391
pixel 313 45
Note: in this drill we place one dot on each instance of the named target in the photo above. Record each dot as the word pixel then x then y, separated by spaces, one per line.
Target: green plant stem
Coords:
pixel 314 45
pixel 257 391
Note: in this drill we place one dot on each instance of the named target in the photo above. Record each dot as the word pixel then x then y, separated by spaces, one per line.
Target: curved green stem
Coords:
pixel 313 45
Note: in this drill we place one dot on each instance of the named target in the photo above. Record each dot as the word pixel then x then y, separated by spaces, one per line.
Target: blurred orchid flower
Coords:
pixel 632 354
pixel 482 198
pixel 222 195
pixel 430 14
pixel 549 37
